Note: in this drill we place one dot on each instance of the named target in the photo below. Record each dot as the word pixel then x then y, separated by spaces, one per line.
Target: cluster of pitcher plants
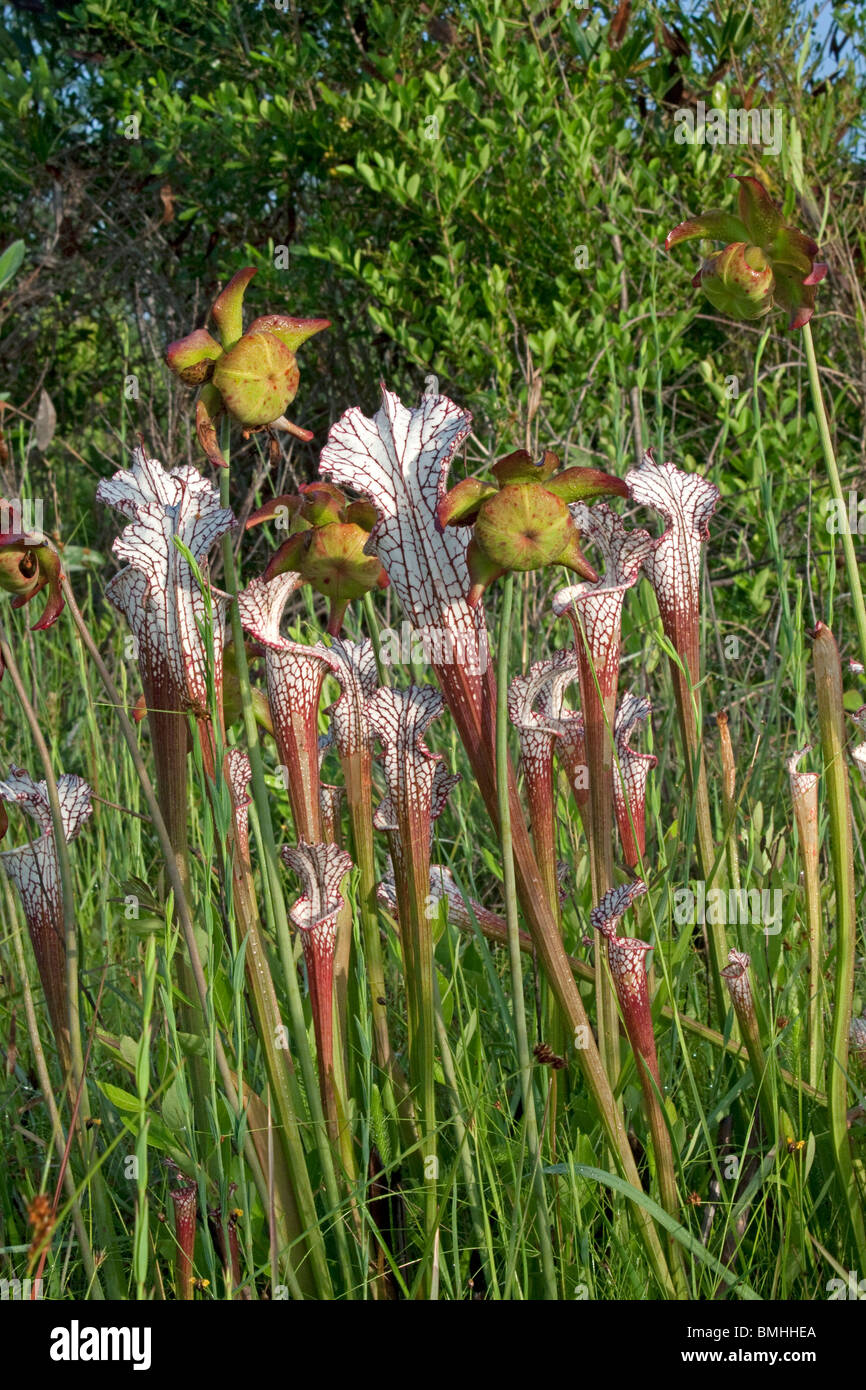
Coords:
pixel 354 1138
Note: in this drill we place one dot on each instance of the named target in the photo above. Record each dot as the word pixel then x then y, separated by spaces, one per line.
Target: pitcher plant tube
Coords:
pixel 34 870
pixel 626 958
pixel 595 613
pixel 686 501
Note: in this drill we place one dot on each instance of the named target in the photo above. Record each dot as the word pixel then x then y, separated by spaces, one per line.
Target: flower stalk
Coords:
pixel 353 664
pixel 828 683
pixel 852 568
pixel 416 793
pixel 524 1060
pixel 804 798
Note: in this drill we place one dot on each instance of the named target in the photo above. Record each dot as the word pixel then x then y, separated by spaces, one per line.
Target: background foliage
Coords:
pixel 480 191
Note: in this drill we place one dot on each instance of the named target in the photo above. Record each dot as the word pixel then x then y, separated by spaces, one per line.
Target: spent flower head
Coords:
pixel 764 264
pixel 522 521
pixel 27 566
pixel 252 376
pixel 328 545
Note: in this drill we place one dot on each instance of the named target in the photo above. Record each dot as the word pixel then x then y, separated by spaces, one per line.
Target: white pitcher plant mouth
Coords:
pixel 321 868
pixel 626 957
pixel 35 871
pixel 595 609
pixel 672 564
pixel 736 977
pixel 353 665
pixel 532 700
pixel 158 592
pixel 802 782
pixel 418 783
pixel 295 673
pixel 630 777
pixel 239 775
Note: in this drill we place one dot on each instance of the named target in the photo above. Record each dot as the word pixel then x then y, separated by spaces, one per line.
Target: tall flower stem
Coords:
pixel 76 1080
pixel 598 715
pixel 828 682
pixel 765 481
pixel 510 893
pixel 266 1015
pixel 851 566
pixel 418 788
pixel 267 844
pixel 804 796
pixel 181 904
pixel 358 795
